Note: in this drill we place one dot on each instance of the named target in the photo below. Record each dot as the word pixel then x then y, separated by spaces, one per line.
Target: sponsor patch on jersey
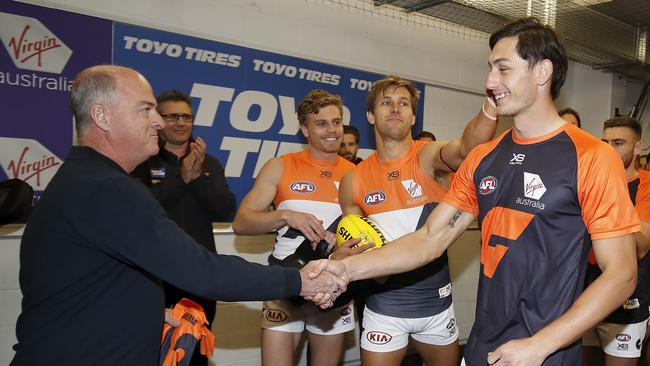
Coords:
pixel 622 337
pixel 412 188
pixel 275 316
pixel 157 173
pixel 326 174
pixel 487 185
pixel 375 198
pixel 378 337
pixel 445 291
pixel 302 187
pixel 533 186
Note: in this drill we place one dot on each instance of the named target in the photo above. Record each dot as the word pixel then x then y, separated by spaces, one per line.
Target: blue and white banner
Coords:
pixel 43 50
pixel 244 99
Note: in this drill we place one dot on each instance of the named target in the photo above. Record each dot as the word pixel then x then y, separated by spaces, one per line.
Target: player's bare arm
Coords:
pixel 443 227
pixel 446 156
pixel 617 260
pixel 252 218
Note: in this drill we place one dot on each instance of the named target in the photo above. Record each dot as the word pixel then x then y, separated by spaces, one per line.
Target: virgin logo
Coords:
pixel 29 161
pixel 31 45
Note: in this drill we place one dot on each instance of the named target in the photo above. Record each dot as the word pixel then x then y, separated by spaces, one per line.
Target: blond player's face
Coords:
pixel 324 130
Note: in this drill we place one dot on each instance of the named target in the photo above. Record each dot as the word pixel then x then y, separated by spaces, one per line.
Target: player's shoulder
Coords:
pixel 481 150
pixel 644 176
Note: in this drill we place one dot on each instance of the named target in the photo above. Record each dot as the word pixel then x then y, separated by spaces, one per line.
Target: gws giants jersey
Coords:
pixel 310 186
pixel 635 309
pixel 540 202
pixel 399 195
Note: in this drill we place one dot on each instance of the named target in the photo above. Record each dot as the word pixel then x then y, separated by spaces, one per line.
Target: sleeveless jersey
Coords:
pixel 310 186
pixel 399 195
pixel 540 202
pixel 635 309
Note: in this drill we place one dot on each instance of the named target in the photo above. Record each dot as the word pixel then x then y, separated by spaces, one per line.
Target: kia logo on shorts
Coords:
pixel 623 337
pixel 378 337
pixel 345 311
pixel 375 198
pixel 275 316
pixel 302 187
pixel 487 185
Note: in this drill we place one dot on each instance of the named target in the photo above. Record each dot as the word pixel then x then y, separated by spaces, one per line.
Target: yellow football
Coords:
pixel 355 226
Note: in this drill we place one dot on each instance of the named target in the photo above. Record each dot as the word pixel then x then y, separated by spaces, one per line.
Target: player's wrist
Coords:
pixel 491 111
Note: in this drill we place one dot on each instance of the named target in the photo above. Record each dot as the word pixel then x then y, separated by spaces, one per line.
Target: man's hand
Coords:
pixel 310 226
pixel 346 249
pixel 169 318
pixel 330 238
pixel 192 164
pixel 517 352
pixel 320 286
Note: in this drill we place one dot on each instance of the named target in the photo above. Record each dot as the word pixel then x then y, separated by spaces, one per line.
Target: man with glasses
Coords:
pixel 189 184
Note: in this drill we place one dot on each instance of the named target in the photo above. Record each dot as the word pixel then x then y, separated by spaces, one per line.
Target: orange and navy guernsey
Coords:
pixel 540 202
pixel 635 309
pixel 398 195
pixel 310 186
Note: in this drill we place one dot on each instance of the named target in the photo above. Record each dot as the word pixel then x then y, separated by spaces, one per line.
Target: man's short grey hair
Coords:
pixel 93 85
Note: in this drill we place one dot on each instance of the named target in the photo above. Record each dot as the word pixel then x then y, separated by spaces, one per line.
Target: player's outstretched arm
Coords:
pixel 444 225
pixel 616 258
pixel 447 156
pixel 253 217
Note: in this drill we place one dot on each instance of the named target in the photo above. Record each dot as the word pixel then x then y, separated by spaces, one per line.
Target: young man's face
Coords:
pixel 324 129
pixel 510 80
pixel 392 114
pixel 626 143
pixel 178 122
pixel 349 147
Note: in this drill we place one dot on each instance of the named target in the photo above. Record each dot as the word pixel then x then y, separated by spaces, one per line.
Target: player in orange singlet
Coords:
pixel 397 187
pixel 303 186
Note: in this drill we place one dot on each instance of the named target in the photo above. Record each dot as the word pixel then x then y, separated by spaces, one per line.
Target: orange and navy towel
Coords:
pixel 178 343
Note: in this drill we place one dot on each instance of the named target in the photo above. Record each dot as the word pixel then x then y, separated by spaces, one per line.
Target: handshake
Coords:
pixel 323 281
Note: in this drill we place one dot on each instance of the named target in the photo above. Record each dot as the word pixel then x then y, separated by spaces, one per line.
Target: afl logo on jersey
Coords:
pixel 375 198
pixel 487 185
pixel 302 187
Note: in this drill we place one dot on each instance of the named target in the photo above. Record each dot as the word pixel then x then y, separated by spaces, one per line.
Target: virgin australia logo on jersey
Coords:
pixel 534 189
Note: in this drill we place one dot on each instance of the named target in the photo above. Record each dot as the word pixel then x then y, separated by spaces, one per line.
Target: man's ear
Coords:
pixel 638 147
pixel 371 118
pixel 98 114
pixel 544 72
pixel 304 130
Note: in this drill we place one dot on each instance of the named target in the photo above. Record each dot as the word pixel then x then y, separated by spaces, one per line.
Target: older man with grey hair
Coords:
pixel 96 248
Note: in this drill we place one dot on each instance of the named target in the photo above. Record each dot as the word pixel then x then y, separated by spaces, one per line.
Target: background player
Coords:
pixel 621 334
